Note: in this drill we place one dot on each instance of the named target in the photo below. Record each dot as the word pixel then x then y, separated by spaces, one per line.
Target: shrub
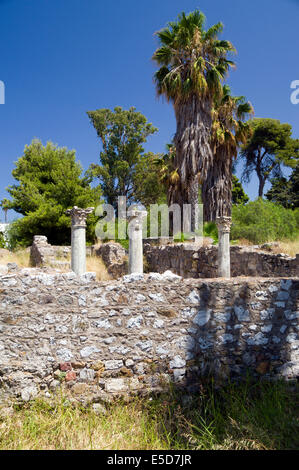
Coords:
pixel 3 242
pixel 210 230
pixel 263 221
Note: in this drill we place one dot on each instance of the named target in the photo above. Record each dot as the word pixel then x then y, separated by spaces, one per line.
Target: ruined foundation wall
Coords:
pixel 42 254
pixel 191 261
pixel 134 335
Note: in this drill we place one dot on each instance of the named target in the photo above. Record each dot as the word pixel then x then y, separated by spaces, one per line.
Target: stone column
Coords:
pixel 78 263
pixel 135 218
pixel 223 224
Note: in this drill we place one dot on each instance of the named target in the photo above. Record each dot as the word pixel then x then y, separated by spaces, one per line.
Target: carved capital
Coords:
pixel 223 224
pixel 79 215
pixel 135 218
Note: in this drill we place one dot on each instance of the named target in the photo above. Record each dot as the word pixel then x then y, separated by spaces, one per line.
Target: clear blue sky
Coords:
pixel 60 58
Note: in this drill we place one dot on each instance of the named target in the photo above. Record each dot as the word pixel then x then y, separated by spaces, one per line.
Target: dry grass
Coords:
pixel 93 264
pixel 21 257
pixel 249 416
pixel 288 247
pixel 206 241
pixel 244 242
pixel 96 265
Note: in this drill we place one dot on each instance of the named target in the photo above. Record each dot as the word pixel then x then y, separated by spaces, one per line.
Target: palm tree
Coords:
pixel 167 173
pixel 229 131
pixel 193 63
pixel 5 204
pixel 169 177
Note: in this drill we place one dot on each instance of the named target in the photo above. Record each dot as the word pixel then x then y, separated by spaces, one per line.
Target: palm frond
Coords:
pixel 174 176
pixel 212 32
pixel 201 56
pixel 198 18
pixel 166 36
pixel 163 55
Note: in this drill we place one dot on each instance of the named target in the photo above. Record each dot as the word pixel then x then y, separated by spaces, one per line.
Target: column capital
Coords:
pixel 79 215
pixel 136 214
pixel 223 223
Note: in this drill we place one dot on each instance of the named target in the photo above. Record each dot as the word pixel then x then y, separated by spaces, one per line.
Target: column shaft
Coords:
pixel 78 263
pixel 223 224
pixel 136 255
pixel 135 241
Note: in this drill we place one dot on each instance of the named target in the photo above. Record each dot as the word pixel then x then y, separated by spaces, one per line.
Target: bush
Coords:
pixel 263 221
pixel 3 243
pixel 296 214
pixel 210 230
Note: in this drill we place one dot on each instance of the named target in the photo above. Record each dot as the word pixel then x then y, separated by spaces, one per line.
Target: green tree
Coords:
pixel 193 62
pixel 285 191
pixel 167 174
pixel 49 181
pixel 269 147
pixel 238 194
pixel 122 134
pixel 6 206
pixel 148 187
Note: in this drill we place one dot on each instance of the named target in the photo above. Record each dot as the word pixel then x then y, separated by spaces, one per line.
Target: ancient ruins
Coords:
pixel 164 317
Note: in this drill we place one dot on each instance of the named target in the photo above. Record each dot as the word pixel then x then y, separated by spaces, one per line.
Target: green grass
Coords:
pixel 247 416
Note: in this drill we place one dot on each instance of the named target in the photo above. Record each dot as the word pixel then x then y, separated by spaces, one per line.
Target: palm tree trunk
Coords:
pixel 217 187
pixel 182 196
pixel 193 151
pixel 217 193
pixel 193 197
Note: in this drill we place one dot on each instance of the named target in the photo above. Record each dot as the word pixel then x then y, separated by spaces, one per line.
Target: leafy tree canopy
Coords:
pixel 269 146
pixel 238 194
pixel 48 182
pixel 148 187
pixel 285 191
pixel 122 134
pixel 5 204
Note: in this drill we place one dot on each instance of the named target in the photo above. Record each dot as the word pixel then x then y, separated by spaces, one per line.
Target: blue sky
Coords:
pixel 61 58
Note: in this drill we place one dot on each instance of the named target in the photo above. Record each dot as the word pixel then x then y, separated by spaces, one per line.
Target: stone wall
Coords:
pixel 114 257
pixel 193 261
pixel 42 254
pixel 136 334
pixel 188 260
